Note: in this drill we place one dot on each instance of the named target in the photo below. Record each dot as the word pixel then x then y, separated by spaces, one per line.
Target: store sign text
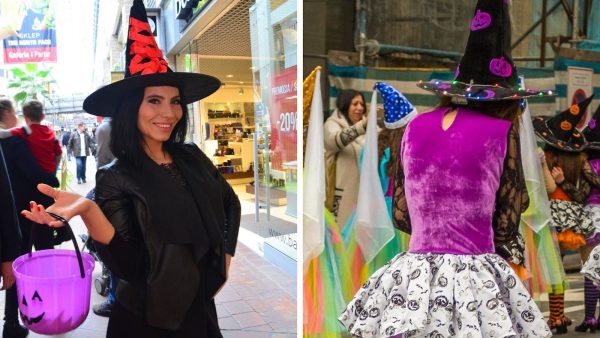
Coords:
pixel 287 121
pixel 284 89
pixel 286 239
pixel 184 7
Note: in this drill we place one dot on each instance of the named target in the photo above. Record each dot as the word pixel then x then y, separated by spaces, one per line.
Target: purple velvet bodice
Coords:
pixel 451 180
pixel 594 196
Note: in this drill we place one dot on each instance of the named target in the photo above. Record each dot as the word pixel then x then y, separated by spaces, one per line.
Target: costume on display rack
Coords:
pixel 455 279
pixel 324 251
pixel 397 113
pixel 564 145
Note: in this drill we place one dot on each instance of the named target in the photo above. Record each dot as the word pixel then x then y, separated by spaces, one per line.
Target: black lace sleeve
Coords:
pixel 577 192
pixel 511 200
pixel 590 175
pixel 399 206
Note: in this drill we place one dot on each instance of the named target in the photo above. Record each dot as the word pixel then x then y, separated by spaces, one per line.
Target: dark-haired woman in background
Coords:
pixel 166 221
pixel 344 139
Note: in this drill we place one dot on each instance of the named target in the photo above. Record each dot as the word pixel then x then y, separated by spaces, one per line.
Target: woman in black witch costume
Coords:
pixel 165 222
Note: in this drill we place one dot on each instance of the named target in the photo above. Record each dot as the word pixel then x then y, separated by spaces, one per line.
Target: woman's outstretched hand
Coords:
pixel 66 204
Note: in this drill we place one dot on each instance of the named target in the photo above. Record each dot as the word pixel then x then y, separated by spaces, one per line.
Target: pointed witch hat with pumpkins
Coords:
pixel 559 131
pixel 486 71
pixel 145 67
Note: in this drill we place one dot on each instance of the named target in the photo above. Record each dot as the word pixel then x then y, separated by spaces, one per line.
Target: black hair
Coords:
pixel 592 153
pixel 344 100
pixel 126 141
pixel 34 110
pixel 5 105
pixel 505 109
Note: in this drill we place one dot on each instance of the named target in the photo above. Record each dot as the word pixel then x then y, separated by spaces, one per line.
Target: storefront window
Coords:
pixel 273 36
pixel 249 126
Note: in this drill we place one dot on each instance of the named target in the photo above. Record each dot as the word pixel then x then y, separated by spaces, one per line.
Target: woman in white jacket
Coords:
pixel 344 138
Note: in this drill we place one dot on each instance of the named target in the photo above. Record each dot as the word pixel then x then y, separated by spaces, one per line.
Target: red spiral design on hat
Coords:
pixel 148 58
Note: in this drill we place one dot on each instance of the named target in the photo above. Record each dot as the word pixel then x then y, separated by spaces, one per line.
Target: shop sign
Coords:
pixel 283 116
pixel 187 9
pixel 35 41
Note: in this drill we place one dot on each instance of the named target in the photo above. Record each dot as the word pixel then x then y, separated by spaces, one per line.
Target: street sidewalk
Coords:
pixel 258 301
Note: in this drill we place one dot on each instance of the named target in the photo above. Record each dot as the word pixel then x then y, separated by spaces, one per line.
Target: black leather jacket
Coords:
pixel 149 253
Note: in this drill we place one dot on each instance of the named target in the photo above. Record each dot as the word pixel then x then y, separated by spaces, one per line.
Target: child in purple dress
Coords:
pixel 459 191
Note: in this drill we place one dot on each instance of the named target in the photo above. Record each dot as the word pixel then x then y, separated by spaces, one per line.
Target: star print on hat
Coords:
pixel 398 111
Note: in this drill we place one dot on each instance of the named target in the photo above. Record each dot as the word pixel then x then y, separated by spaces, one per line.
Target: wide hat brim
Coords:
pixel 479 92
pixel 192 87
pixel 575 144
pixel 593 145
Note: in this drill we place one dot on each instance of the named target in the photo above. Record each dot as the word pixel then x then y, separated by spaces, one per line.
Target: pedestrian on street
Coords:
pixel 103 157
pixel 24 173
pixel 80 145
pixel 41 139
pixel 65 142
pixel 165 220
pixel 9 246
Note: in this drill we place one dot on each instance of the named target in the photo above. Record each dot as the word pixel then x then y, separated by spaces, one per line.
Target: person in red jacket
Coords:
pixel 41 140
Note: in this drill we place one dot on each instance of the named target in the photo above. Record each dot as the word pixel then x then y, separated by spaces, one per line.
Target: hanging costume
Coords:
pixel 397 113
pixel 324 252
pixel 543 262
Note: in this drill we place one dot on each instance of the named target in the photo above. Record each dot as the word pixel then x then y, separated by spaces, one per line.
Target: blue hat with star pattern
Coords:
pixel 397 110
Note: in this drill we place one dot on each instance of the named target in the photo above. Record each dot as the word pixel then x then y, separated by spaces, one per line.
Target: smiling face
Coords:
pixel 356 109
pixel 32 316
pixel 159 112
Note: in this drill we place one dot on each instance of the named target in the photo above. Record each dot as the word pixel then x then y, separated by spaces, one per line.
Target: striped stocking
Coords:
pixel 557 307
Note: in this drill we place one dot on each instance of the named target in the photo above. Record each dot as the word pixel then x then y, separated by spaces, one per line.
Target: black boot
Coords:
pixel 14 330
pixel 588 324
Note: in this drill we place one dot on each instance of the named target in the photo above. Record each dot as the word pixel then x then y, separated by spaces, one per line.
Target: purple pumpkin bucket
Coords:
pixel 53 288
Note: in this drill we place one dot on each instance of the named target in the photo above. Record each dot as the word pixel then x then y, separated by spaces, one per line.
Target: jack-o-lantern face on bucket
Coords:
pixel 36 304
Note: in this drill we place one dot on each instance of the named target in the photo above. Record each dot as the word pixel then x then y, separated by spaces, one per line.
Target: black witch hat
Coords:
pixel 592 131
pixel 486 71
pixel 559 131
pixel 146 66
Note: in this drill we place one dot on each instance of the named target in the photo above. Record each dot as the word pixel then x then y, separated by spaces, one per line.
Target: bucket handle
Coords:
pixel 70 231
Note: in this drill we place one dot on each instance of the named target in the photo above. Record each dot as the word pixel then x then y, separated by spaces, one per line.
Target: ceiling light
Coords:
pixel 229 75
